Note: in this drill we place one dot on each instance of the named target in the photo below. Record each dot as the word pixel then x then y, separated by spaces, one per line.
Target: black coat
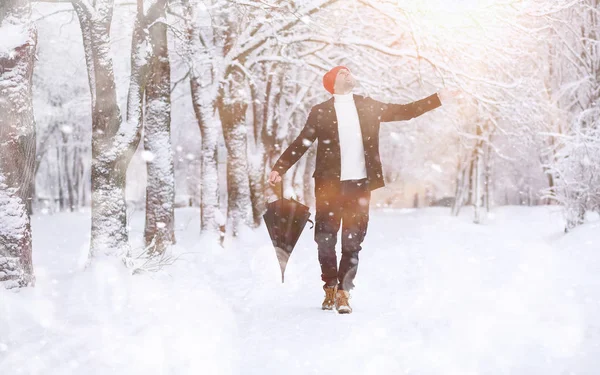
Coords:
pixel 322 125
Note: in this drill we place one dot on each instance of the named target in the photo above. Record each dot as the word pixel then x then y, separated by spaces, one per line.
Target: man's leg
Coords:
pixel 327 224
pixel 355 218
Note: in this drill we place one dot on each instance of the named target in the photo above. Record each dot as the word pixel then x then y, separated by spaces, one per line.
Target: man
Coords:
pixel 348 168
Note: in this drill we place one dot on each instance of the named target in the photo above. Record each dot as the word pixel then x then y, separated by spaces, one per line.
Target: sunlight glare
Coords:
pixel 449 14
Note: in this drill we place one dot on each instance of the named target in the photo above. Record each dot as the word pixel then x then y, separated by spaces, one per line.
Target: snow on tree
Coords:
pixel 114 140
pixel 17 142
pixel 527 126
pixel 203 92
pixel 160 190
pixel 220 60
pixel 573 144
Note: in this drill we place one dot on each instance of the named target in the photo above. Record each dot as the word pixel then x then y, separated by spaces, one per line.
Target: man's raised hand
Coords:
pixel 274 178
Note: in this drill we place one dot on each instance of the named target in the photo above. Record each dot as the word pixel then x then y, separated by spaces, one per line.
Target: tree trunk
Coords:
pixel 257 159
pixel 297 179
pixel 17 143
pixel 67 174
pixel 59 181
pixel 461 185
pixel 209 193
pixel 477 176
pixel 477 180
pixel 471 180
pixel 239 206
pixel 160 190
pixel 113 141
pixel 204 92
pixel 256 177
pixel 76 177
pixel 308 179
pixel 488 176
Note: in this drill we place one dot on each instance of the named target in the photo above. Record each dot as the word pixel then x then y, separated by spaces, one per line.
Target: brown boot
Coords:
pixel 329 300
pixel 341 302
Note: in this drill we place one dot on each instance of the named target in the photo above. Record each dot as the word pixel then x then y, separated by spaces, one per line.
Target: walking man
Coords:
pixel 347 169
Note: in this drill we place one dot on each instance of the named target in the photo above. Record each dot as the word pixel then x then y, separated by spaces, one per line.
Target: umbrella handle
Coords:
pixel 312 223
pixel 281 200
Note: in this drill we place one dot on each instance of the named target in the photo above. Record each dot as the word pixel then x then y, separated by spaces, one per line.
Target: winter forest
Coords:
pixel 136 141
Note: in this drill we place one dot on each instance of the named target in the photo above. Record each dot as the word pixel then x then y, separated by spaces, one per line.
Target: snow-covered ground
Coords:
pixel 435 295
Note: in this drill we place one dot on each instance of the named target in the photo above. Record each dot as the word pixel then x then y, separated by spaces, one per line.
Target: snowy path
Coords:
pixel 435 295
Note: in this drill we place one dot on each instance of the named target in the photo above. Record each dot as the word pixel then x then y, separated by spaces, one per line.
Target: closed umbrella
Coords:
pixel 285 220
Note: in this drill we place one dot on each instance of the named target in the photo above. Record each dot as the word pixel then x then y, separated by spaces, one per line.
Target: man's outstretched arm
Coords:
pixel 402 112
pixel 299 146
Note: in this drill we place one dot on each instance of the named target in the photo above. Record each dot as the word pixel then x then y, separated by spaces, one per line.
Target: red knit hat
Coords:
pixel 330 76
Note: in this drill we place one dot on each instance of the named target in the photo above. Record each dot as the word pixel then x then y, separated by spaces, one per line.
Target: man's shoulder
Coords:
pixel 323 104
pixel 367 99
pixel 367 103
pixel 357 97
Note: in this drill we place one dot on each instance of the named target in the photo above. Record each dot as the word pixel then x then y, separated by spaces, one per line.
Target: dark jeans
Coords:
pixel 346 202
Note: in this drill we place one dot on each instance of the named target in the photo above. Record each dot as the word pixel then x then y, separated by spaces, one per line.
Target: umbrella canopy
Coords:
pixel 285 219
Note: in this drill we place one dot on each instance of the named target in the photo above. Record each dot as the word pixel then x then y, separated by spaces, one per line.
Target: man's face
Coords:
pixel 344 82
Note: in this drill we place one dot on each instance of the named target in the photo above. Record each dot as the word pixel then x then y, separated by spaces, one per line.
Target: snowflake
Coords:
pixel 147 156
